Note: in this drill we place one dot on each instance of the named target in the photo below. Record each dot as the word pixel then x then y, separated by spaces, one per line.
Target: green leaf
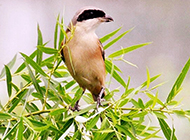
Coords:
pixel 90 124
pixel 141 104
pixel 9 80
pixel 37 125
pixel 40 42
pixel 123 102
pixel 108 36
pixel 148 78
pixel 9 65
pixel 56 33
pixel 48 60
pixel 61 33
pixel 180 113
pixel 178 82
pixel 110 63
pixel 20 129
pixel 16 99
pixel 126 131
pixel 22 66
pixel 149 103
pixel 151 80
pixel 115 75
pixel 128 49
pixel 13 129
pixel 74 114
pixel 33 64
pixel 155 99
pixel 160 115
pixel 78 95
pixel 15 87
pixel 57 111
pixel 36 85
pixel 70 84
pixel 169 135
pixel 65 126
pixel 47 50
pixel 4 116
pixel 116 39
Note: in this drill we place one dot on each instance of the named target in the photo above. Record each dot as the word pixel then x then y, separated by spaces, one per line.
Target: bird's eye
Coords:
pixel 91 12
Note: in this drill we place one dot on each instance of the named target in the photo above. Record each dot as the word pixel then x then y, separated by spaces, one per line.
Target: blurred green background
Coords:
pixel 165 23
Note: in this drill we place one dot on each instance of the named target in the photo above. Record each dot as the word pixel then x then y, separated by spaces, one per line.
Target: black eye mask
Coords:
pixel 90 14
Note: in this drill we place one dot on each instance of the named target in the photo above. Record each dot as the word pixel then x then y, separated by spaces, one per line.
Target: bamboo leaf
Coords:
pixel 36 85
pixel 22 66
pixel 40 42
pixel 108 36
pixel 160 115
pixel 148 78
pixel 4 116
pixel 78 95
pixel 177 85
pixel 20 129
pixel 126 131
pixel 48 60
pixel 116 76
pixel 128 49
pixel 9 80
pixel 13 129
pixel 151 80
pixel 169 135
pixel 14 102
pixel 33 64
pixel 61 33
pixel 9 65
pixel 65 126
pixel 47 50
pixel 108 62
pixel 56 33
pixel 116 39
pixel 90 124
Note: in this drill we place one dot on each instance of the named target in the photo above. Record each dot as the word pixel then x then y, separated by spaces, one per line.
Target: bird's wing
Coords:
pixel 102 50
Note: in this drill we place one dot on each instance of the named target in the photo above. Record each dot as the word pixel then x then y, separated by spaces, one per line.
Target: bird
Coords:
pixel 83 52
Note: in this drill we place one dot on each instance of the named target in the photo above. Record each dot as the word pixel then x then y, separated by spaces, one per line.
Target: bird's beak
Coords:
pixel 107 19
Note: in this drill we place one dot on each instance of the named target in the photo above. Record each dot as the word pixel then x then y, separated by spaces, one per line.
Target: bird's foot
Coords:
pixel 99 98
pixel 76 107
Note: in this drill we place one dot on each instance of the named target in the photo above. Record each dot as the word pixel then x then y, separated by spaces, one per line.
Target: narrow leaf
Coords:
pixel 40 42
pixel 116 39
pixel 4 116
pixel 10 65
pixel 22 66
pixel 160 115
pixel 90 124
pixel 126 131
pixel 36 85
pixel 20 129
pixel 108 36
pixel 169 135
pixel 9 80
pixel 13 129
pixel 33 64
pixel 148 78
pixel 47 50
pixel 78 95
pixel 128 49
pixel 61 33
pixel 56 33
pixel 116 76
pixel 178 82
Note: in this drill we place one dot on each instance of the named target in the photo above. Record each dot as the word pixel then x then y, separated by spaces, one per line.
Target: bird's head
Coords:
pixel 88 18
